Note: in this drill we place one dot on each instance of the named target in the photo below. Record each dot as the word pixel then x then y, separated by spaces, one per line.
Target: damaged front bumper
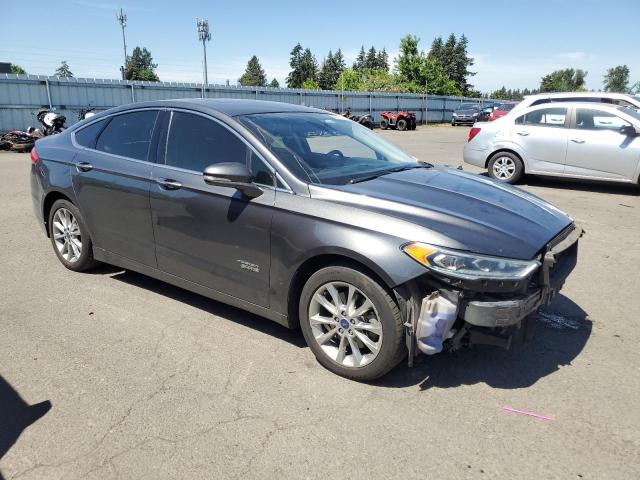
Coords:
pixel 450 317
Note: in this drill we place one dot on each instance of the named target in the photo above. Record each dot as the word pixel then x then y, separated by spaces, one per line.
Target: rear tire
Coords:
pixel 401 124
pixel 70 238
pixel 384 124
pixel 506 167
pixel 387 347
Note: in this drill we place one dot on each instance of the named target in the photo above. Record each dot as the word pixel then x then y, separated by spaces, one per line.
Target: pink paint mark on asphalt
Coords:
pixel 530 414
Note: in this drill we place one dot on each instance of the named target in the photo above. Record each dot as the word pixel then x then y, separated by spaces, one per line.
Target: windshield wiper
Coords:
pixel 373 176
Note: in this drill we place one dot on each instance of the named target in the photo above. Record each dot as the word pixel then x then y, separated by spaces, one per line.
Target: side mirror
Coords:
pixel 231 175
pixel 628 130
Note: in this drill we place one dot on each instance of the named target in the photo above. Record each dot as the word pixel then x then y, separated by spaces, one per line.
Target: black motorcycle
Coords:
pixel 364 120
pixel 52 122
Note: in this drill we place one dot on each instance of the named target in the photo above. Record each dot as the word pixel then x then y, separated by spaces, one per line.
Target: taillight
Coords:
pixel 35 158
pixel 473 132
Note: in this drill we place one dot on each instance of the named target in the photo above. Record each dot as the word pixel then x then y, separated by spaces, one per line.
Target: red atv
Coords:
pixel 399 121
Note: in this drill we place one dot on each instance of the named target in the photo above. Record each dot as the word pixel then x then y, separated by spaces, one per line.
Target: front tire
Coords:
pixel 402 124
pixel 351 323
pixel 384 124
pixel 69 237
pixel 506 167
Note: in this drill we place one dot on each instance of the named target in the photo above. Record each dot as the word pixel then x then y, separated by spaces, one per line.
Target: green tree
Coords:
pixel 349 79
pixel 452 55
pixel 500 94
pixel 310 84
pixel 140 66
pixel 382 61
pixel 17 69
pixel 295 78
pixel 254 75
pixel 617 79
pixel 410 60
pixel 274 83
pixel 308 66
pixel 360 59
pixel 567 80
pixel 63 70
pixel 331 68
pixel 371 59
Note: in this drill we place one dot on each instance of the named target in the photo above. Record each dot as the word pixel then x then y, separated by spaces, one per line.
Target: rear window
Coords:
pixel 505 107
pixel 128 135
pixel 87 136
pixel 545 117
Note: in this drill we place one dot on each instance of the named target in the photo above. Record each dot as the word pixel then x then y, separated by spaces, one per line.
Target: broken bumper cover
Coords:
pixel 501 313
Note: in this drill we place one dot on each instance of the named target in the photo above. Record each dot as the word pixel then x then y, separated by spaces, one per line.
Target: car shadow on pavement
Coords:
pixel 16 415
pixel 200 302
pixel 581 185
pixel 561 331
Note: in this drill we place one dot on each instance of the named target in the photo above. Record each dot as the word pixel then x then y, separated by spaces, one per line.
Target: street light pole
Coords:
pixel 204 36
pixel 122 19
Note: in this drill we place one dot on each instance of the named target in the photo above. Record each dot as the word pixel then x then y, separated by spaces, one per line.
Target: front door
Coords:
pixel 213 236
pixel 112 181
pixel 598 149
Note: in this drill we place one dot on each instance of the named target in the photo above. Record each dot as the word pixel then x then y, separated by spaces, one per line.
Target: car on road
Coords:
pixel 621 99
pixel 466 114
pixel 579 140
pixel 306 218
pixel 500 110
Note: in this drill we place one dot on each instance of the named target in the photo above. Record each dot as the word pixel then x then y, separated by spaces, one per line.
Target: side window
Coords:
pixel 587 119
pixel 545 117
pixel 87 136
pixel 261 173
pixel 128 134
pixel 195 142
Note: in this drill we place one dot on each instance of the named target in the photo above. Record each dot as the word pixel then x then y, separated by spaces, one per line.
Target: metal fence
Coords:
pixel 22 95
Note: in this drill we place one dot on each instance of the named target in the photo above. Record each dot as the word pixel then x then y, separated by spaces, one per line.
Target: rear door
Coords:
pixel 112 181
pixel 597 148
pixel 542 136
pixel 213 236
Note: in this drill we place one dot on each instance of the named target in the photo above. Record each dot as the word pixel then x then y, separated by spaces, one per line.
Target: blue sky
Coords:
pixel 514 42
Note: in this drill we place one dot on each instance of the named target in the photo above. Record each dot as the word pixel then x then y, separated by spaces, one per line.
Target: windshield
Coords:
pixel 506 107
pixel 326 148
pixel 631 111
pixel 469 106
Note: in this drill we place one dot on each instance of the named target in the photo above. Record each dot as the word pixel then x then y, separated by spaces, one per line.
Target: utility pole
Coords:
pixel 204 36
pixel 426 102
pixel 122 19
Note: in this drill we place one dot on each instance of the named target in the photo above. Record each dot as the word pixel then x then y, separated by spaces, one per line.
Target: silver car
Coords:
pixel 579 140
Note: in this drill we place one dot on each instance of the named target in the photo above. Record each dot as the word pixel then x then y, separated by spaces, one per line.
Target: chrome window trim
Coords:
pixel 240 137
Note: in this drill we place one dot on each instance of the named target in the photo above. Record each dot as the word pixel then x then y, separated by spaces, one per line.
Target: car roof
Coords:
pixel 577 94
pixel 606 106
pixel 231 107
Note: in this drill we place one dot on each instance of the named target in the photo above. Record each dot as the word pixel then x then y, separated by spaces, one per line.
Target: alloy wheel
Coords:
pixel 345 323
pixel 67 235
pixel 504 168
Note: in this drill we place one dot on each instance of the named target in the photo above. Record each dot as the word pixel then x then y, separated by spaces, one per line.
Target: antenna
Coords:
pixel 122 19
pixel 204 36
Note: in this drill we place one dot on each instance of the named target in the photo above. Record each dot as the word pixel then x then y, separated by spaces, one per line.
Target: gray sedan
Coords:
pixel 306 218
pixel 579 140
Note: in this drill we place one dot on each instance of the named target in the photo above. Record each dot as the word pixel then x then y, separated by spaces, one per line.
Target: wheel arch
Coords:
pixel 322 260
pixel 48 202
pixel 507 150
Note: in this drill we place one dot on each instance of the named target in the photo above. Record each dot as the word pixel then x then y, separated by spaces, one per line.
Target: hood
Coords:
pixel 459 210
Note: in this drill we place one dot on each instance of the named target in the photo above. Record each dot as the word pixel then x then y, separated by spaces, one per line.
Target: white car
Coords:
pixel 578 140
pixel 596 97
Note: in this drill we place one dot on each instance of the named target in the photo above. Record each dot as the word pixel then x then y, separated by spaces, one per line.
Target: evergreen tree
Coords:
pixel 140 66
pixel 295 78
pixel 359 64
pixel 329 71
pixel 461 64
pixel 382 61
pixel 17 69
pixel 371 59
pixel 617 79
pixel 63 70
pixel 308 66
pixel 274 83
pixel 254 75
pixel 435 53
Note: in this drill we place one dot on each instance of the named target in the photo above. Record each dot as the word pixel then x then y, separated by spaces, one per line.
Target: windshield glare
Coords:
pixel 325 148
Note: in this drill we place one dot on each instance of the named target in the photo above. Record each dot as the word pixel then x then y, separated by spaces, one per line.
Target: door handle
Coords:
pixel 524 134
pixel 169 184
pixel 84 166
pixel 577 140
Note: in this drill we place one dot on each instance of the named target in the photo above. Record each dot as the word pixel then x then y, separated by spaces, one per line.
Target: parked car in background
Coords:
pixel 485 111
pixel 500 110
pixel 578 140
pixel 466 114
pixel 595 97
pixel 306 218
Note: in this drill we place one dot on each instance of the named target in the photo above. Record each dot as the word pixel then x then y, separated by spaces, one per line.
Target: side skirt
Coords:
pixel 128 264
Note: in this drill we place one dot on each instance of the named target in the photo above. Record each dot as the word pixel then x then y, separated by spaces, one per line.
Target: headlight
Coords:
pixel 468 265
pixel 455 114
